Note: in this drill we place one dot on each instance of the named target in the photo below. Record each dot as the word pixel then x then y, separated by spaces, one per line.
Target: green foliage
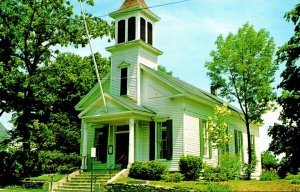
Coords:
pixel 214 174
pixel 56 161
pixel 269 161
pixel 190 166
pixel 216 187
pixel 269 176
pixel 48 177
pixel 164 70
pixel 173 177
pixel 150 170
pixel 247 169
pixel 296 181
pixel 217 128
pixel 230 165
pixel 36 87
pixel 286 134
pixel 243 70
pixel 292 176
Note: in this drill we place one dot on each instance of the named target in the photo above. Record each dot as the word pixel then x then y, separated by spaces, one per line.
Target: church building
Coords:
pixel 145 114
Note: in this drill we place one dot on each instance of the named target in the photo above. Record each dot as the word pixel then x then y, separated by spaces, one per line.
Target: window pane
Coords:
pixel 143 29
pixel 150 37
pixel 161 140
pixel 121 31
pixel 131 28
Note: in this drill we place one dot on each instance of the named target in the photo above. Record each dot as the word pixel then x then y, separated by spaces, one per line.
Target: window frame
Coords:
pixel 161 142
pixel 121 31
pixel 131 31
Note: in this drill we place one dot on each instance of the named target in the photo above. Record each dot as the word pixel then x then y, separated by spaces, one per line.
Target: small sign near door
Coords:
pixel 93 152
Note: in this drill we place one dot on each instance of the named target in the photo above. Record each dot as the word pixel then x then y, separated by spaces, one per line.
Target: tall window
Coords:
pixel 121 31
pixel 123 83
pixel 238 140
pixel 205 144
pixel 150 33
pixel 161 140
pixel 131 28
pixel 143 29
pixel 100 143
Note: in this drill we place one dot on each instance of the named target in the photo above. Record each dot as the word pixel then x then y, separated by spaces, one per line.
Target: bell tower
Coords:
pixel 134 45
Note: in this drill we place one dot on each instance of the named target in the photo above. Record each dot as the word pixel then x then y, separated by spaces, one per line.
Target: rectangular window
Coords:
pixel 121 31
pixel 161 138
pixel 123 83
pixel 100 142
pixel 150 37
pixel 131 28
pixel 143 29
pixel 205 144
pixel 238 139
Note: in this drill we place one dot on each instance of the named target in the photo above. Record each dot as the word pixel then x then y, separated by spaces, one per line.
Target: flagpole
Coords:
pixel 93 56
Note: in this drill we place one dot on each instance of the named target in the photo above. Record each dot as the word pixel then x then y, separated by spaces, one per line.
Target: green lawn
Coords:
pixel 238 185
pixel 18 189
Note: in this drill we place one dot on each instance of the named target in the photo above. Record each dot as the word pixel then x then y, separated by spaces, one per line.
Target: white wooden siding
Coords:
pixel 191 135
pixel 165 107
pixel 142 141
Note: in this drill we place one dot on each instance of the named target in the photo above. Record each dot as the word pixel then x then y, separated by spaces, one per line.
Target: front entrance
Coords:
pixel 122 146
pixel 101 135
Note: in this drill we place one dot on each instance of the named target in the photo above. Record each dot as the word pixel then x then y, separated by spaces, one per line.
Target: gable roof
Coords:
pixel 132 3
pixel 123 102
pixel 186 88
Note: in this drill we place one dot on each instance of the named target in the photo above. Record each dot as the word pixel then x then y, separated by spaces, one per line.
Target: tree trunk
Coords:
pixel 248 172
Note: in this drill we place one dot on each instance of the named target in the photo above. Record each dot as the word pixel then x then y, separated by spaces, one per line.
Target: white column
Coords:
pixel 131 142
pixel 84 145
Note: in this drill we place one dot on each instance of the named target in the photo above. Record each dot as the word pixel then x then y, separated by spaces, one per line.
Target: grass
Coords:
pixel 20 189
pixel 238 185
pixel 48 177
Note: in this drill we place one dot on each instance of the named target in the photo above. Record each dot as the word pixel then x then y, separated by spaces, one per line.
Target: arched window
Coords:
pixel 131 28
pixel 150 33
pixel 143 29
pixel 121 31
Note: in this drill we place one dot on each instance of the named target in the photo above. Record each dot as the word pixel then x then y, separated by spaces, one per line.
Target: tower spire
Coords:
pixel 132 3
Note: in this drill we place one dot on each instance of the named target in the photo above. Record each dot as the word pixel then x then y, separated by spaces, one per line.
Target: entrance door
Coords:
pixel 122 143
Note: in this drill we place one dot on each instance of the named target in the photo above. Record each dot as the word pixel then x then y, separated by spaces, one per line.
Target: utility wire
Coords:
pixel 93 56
pixel 154 6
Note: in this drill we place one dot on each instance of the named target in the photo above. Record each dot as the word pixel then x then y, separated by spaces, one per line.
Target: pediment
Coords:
pixel 98 107
pixel 123 64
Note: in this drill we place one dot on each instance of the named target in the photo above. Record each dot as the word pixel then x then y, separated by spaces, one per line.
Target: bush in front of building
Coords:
pixel 149 170
pixel 173 177
pixel 230 166
pixel 190 166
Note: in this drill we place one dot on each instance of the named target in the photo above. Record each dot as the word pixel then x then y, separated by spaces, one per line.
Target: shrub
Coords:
pixel 190 166
pixel 216 187
pixel 292 177
pixel 230 166
pixel 173 177
pixel 269 176
pixel 296 181
pixel 213 174
pixel 150 170
pixel 269 161
pixel 56 161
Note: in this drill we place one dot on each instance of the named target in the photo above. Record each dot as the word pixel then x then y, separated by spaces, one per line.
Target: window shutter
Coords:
pixel 242 145
pixel 201 130
pixel 169 139
pixel 152 141
pixel 236 142
pixel 210 148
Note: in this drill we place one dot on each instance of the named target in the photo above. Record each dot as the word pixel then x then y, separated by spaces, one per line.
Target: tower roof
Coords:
pixel 131 3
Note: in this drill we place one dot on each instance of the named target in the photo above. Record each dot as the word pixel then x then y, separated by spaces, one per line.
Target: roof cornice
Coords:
pixel 138 8
pixel 134 43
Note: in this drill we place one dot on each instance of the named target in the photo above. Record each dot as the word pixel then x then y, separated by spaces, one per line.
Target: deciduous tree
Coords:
pixel 243 70
pixel 286 134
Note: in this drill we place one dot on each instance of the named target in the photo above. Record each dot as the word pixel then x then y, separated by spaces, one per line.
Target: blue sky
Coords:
pixel 187 32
